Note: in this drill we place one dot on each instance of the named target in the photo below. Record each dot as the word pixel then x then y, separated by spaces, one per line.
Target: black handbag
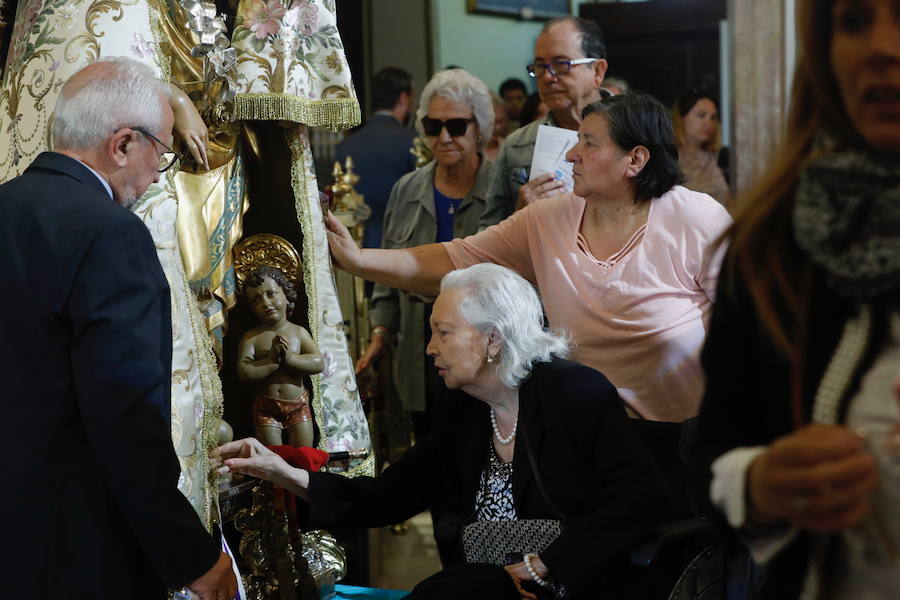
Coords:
pixel 505 542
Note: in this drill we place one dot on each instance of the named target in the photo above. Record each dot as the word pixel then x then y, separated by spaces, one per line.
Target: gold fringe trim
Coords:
pixel 334 113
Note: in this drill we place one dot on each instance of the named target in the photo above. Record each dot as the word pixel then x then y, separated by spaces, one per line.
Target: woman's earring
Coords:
pixel 489 358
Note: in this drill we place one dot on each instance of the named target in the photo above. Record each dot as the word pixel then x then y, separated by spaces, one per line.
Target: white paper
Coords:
pixel 550 149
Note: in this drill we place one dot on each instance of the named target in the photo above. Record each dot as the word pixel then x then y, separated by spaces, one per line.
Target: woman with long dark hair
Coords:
pixel 795 443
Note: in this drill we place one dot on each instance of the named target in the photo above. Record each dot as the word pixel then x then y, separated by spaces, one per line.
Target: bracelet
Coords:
pixel 534 576
pixel 379 330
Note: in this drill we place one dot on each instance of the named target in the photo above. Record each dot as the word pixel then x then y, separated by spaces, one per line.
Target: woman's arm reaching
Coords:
pixel 416 269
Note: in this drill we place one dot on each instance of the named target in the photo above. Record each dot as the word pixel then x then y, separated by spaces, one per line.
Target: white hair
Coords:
pixel 501 300
pixel 460 87
pixel 125 93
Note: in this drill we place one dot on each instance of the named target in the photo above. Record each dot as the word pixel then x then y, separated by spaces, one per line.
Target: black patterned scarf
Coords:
pixel 847 219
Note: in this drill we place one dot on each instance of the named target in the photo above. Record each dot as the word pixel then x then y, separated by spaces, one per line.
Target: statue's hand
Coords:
pixel 276 352
pixel 189 126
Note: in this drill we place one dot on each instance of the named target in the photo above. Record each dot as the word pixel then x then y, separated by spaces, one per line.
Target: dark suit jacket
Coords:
pixel 90 498
pixel 380 152
pixel 748 399
pixel 590 461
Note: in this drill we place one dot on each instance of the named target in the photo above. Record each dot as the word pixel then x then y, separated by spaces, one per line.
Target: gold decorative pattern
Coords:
pixel 334 113
pixel 266 250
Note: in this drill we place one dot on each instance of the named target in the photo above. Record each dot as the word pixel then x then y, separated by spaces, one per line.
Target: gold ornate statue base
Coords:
pixel 281 563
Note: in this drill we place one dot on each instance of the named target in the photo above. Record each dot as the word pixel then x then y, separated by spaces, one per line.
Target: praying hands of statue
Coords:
pixel 189 126
pixel 279 349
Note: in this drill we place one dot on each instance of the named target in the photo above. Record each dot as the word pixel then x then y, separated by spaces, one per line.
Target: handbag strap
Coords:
pixel 537 477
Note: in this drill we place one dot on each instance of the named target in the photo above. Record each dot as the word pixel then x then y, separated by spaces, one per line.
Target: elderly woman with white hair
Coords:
pixel 506 383
pixel 437 203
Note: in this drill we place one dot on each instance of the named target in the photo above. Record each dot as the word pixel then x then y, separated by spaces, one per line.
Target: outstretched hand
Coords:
pixel 344 251
pixel 250 457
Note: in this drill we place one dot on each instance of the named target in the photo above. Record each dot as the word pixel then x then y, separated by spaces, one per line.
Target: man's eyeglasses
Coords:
pixel 167 158
pixel 557 67
pixel 455 127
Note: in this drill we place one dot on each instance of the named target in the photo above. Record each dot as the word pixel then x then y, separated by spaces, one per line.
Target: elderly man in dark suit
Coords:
pixel 91 500
pixel 381 149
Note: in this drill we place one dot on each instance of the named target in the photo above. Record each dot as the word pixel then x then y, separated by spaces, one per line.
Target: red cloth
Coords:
pixel 303 457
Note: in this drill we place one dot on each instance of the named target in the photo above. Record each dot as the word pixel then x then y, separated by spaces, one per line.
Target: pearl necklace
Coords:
pixel 506 441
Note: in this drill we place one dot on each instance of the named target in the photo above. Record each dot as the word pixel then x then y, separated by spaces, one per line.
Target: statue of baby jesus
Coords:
pixel 275 357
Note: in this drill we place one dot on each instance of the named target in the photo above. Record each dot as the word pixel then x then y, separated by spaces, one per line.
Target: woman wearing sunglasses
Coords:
pixel 441 201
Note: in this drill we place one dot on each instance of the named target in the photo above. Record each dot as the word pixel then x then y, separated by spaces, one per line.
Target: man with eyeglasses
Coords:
pixel 569 65
pixel 85 359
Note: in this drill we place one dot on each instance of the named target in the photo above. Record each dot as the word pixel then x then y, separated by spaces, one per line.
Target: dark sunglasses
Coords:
pixel 455 127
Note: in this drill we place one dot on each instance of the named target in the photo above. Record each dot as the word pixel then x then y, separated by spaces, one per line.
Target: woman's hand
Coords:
pixel 519 573
pixel 189 126
pixel 250 457
pixel 818 478
pixel 374 349
pixel 344 250
pixel 542 186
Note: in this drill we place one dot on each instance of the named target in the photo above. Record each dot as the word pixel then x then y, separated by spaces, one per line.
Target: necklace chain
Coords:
pixel 506 441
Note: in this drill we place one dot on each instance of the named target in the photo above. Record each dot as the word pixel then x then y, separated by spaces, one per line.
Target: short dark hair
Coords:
pixel 513 83
pixel 259 274
pixel 592 44
pixel 639 119
pixel 387 85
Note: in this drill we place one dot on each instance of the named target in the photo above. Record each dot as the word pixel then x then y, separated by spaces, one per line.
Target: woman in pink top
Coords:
pixel 627 264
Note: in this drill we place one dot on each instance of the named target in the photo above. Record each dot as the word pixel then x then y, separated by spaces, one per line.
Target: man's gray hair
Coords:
pixel 496 298
pixel 124 93
pixel 460 87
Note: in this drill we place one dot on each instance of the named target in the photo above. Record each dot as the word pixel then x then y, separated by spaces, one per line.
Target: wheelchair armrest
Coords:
pixel 647 552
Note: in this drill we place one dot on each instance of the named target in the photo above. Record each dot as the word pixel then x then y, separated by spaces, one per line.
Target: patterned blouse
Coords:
pixel 494 499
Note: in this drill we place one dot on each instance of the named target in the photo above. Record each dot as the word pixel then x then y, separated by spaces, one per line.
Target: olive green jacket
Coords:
pixel 410 221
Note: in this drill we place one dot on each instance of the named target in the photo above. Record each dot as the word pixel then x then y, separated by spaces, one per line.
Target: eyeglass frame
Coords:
pixel 444 122
pixel 175 155
pixel 548 67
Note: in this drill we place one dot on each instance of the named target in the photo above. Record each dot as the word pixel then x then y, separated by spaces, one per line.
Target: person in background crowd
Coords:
pixel 796 443
pixel 695 117
pixel 501 125
pixel 616 86
pixel 534 109
pixel 513 92
pixel 381 148
pixel 438 202
pixel 569 65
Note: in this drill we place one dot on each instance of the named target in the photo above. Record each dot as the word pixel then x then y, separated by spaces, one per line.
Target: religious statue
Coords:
pixel 276 356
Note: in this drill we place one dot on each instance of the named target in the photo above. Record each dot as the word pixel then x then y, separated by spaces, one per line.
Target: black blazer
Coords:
pixel 592 465
pixel 748 400
pixel 90 498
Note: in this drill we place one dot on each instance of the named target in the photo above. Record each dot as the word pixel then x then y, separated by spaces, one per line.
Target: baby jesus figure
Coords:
pixel 275 357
